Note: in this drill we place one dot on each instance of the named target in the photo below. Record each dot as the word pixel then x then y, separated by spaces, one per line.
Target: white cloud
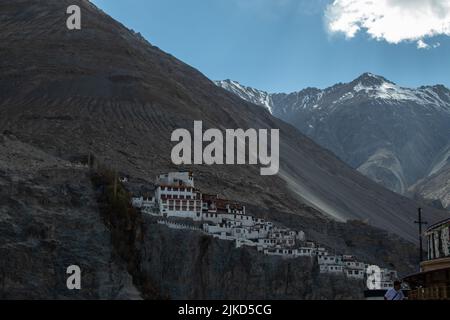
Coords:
pixel 391 20
pixel 422 45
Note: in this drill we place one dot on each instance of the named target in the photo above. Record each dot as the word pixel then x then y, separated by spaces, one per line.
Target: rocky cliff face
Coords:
pixel 201 267
pixel 49 220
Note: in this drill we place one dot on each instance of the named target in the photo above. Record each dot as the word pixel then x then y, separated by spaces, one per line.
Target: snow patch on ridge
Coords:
pixel 367 86
pixel 391 92
pixel 252 95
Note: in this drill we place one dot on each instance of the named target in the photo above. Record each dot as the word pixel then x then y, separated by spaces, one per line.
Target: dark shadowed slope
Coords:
pixel 107 91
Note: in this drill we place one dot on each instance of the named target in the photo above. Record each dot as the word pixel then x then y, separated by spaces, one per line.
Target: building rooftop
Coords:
pixel 438 224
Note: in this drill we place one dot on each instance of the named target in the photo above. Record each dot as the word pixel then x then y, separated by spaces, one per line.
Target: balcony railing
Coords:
pixel 431 293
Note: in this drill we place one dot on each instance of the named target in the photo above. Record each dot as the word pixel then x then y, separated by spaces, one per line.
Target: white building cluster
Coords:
pixel 176 197
pixel 352 268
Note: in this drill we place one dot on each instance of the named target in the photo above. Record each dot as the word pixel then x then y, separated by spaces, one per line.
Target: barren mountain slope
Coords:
pixel 107 91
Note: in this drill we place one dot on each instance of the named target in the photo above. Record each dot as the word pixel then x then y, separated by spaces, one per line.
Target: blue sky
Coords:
pixel 283 45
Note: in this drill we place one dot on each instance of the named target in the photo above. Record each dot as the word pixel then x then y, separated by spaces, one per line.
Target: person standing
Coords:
pixel 395 293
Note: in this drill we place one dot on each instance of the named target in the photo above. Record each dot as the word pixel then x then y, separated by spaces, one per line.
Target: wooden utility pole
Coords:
pixel 89 160
pixel 12 190
pixel 420 222
pixel 115 183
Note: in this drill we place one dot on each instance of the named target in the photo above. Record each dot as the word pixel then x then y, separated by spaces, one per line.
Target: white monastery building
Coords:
pixel 176 197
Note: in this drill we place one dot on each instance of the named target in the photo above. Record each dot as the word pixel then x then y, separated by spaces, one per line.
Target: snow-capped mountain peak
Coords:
pixel 370 79
pixel 252 95
pixel 388 132
pixel 377 87
pixel 386 91
pixel 367 87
